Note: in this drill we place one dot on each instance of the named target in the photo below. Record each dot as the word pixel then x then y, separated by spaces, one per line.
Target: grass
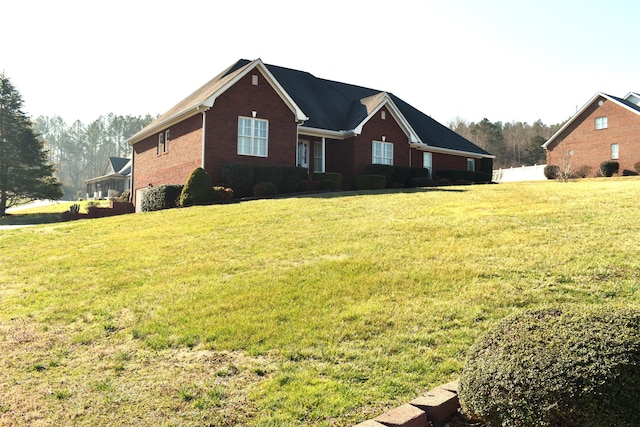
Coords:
pixel 322 310
pixel 43 214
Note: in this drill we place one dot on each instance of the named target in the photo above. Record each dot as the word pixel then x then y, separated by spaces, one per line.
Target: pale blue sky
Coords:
pixel 503 60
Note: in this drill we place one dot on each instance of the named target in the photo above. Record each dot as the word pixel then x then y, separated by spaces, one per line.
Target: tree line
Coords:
pixel 80 151
pixel 513 143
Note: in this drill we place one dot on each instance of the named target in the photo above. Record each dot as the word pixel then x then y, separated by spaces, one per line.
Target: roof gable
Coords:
pixel 323 107
pixel 600 96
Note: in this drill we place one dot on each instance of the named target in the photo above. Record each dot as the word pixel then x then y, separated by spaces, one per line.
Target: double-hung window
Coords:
pixel 615 151
pixel 601 122
pixel 160 148
pixel 253 136
pixel 382 153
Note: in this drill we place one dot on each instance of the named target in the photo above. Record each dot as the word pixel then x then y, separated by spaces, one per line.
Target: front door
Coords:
pixel 303 154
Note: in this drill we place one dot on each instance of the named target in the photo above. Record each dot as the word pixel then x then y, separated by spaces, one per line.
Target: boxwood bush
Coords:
pixel 291 178
pixel 552 171
pixel 335 177
pixel 265 189
pixel 198 190
pixel 570 367
pixel 387 171
pixel 161 197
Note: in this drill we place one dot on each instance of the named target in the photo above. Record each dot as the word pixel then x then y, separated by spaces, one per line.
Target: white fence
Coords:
pixel 522 173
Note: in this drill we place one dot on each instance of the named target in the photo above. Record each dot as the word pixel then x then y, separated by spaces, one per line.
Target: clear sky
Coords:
pixel 506 60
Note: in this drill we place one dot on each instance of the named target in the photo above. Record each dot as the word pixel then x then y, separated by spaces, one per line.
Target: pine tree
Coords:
pixel 24 170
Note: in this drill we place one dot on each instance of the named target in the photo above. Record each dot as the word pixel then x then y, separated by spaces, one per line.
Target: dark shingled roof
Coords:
pixel 625 102
pixel 337 106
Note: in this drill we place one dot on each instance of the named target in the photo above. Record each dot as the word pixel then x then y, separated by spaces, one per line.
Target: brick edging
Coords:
pixel 431 409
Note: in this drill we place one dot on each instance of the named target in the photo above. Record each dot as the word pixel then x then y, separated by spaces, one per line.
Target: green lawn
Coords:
pixel 324 310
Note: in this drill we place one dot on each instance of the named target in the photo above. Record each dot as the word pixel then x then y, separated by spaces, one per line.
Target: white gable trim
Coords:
pixel 258 64
pixel 385 100
pixel 583 109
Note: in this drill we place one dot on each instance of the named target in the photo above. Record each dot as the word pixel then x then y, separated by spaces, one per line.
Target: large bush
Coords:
pixel 334 177
pixel 608 168
pixel 291 177
pixel 198 190
pixel 565 367
pixel 161 197
pixel 388 171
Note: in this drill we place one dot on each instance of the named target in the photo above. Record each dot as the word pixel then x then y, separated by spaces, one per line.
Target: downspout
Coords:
pixel 203 110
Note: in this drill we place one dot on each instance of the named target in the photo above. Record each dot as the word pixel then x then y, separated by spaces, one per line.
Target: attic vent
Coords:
pixel 600 102
pixel 254 80
pixel 383 115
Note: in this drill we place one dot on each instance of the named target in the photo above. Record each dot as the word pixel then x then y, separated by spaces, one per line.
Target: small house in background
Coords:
pixel 607 128
pixel 266 115
pixel 115 179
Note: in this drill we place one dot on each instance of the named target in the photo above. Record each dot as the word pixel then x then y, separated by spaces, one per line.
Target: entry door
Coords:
pixel 303 154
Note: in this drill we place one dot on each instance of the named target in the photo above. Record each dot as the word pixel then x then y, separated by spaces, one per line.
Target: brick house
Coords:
pixel 606 128
pixel 115 178
pixel 267 115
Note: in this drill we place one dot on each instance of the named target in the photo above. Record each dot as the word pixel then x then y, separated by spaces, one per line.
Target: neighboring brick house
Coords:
pixel 267 115
pixel 115 178
pixel 606 128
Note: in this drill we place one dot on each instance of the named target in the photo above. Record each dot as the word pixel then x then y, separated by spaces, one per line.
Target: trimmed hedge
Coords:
pixel 239 177
pixel 161 197
pixel 371 182
pixel 464 176
pixel 334 177
pixel 264 189
pixel 570 367
pixel 387 171
pixel 291 176
pixel 198 190
pixel 271 174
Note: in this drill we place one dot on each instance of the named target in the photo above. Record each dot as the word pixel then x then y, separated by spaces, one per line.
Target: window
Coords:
pixel 471 165
pixel 252 136
pixel 166 141
pixel 427 162
pixel 615 153
pixel 160 148
pixel 318 162
pixel 382 153
pixel 601 122
pixel 383 115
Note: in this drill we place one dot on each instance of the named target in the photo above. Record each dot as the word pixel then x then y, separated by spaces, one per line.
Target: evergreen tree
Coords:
pixel 24 169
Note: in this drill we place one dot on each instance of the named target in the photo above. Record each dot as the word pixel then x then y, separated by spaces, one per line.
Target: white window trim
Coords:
pixel 428 164
pixel 166 141
pixel 383 157
pixel 253 151
pixel 160 146
pixel 471 164
pixel 615 153
pixel 601 123
pixel 321 158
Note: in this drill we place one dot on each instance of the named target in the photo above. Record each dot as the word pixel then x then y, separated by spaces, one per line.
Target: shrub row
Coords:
pixel 397 176
pixel 242 178
pixel 607 168
pixel 463 176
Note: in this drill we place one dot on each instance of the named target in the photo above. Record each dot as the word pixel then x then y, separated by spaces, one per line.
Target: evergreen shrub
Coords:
pixel 335 177
pixel 265 189
pixel 608 168
pixel 583 171
pixel 569 367
pixel 239 177
pixel 267 174
pixel 422 182
pixel 371 182
pixel 419 172
pixel 552 171
pixel 291 176
pixel 387 171
pixel 401 176
pixel 161 197
pixel 198 190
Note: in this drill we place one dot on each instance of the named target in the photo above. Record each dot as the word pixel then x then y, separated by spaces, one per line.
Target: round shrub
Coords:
pixel 608 168
pixel 198 190
pixel 570 367
pixel 371 182
pixel 552 171
pixel 161 197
